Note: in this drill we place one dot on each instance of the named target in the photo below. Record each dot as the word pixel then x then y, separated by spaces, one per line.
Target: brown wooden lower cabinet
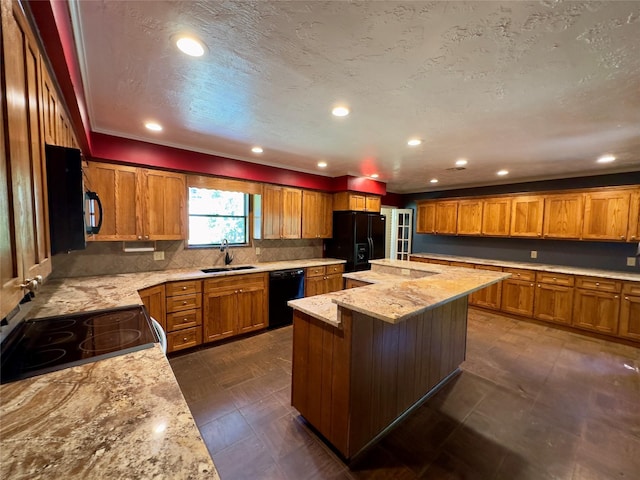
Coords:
pixel 517 297
pixel 597 311
pixel 630 317
pixel 182 339
pixel 183 322
pixel 321 280
pixel 553 303
pixel 352 382
pixel 154 301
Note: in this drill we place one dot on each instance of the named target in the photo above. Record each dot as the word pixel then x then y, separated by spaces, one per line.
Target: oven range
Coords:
pixel 48 344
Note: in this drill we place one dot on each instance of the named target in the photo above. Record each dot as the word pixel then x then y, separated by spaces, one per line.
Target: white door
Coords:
pixel 398 241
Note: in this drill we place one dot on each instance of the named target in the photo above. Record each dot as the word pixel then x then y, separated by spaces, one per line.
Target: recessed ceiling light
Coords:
pixel 606 159
pixel 461 162
pixel 340 111
pixel 322 164
pixel 374 175
pixel 502 172
pixel 414 142
pixel 156 127
pixel 191 46
pixel 257 150
pixel 434 180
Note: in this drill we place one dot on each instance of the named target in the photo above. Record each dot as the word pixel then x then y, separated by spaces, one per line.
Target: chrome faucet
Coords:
pixel 224 247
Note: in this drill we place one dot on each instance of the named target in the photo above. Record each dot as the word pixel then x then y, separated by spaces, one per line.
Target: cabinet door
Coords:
pixel 291 213
pixel 526 216
pixel 469 217
pixel 357 202
pixel 606 215
pixel 326 214
pixel 333 283
pixel 491 296
pixel 117 187
pixel 372 204
pixel 252 309
pixel 634 217
pixel 317 214
pixel 517 297
pixel 496 217
pixel 271 215
pixel 446 218
pixel 563 216
pixel 598 311
pixel 153 299
pixel 164 198
pixel 426 217
pixel 314 286
pixel 219 314
pixel 630 317
pixel 24 232
pixel 553 303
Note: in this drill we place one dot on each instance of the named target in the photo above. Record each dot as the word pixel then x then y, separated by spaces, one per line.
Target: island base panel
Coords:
pixel 352 382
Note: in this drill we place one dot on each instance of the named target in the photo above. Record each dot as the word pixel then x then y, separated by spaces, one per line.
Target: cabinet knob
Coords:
pixel 616 296
pixel 184 288
pixel 184 339
pixel 539 234
pixel 147 237
pixel 554 279
pixel 622 237
pixel 633 237
pixel 240 290
pixel 139 237
pixel 597 284
pixel 538 285
pixel 626 298
pixel 531 285
pixel 185 320
pixel 184 302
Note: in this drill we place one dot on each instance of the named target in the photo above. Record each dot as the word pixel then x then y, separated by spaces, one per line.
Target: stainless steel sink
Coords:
pixel 226 269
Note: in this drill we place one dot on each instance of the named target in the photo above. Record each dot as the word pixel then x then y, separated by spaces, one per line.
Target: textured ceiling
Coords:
pixel 541 89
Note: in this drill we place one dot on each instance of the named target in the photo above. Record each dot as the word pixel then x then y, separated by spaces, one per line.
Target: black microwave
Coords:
pixel 73 212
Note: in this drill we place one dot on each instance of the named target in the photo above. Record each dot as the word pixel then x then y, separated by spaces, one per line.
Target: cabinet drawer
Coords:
pixel 599 284
pixel 631 288
pixel 517 274
pixel 315 271
pixel 438 262
pixel 184 302
pixel 555 278
pixel 183 288
pixel 187 338
pixel 334 269
pixel 253 280
pixel 462 264
pixel 181 320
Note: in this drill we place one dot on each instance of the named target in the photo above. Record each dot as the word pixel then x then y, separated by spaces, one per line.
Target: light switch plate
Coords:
pixel 534 254
pixel 631 261
pixel 158 255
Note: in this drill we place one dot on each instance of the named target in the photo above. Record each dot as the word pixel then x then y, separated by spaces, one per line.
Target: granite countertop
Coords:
pixel 78 294
pixel 588 272
pixel 124 417
pixel 398 290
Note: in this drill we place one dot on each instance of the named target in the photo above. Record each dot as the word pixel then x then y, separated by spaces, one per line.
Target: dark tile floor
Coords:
pixel 532 402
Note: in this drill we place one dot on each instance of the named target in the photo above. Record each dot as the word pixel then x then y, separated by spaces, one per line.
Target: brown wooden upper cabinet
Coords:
pixel 356 201
pixel 469 217
pixel 317 214
pixel 634 216
pixel 526 216
pixel 496 216
pixel 138 203
pixel 281 212
pixel 563 216
pixel 426 217
pixel 446 217
pixel 606 215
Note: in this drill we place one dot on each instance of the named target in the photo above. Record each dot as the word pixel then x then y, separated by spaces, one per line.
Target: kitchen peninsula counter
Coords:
pixel 122 417
pixel 365 357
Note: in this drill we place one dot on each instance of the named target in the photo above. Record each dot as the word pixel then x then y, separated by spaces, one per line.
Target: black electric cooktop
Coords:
pixel 48 344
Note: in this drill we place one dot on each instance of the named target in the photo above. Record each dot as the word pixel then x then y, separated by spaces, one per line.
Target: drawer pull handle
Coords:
pixel 184 339
pixel 185 320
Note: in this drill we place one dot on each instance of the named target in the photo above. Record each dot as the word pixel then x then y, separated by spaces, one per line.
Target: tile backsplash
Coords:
pixel 108 258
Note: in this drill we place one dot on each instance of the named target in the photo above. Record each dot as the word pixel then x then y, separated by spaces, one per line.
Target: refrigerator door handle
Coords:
pixel 370 248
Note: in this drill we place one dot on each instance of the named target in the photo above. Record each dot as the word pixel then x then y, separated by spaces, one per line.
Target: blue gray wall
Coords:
pixel 603 255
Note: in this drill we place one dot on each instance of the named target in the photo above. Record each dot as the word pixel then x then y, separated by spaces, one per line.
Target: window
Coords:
pixel 216 214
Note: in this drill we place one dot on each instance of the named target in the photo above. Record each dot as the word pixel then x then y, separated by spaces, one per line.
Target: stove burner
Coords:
pixel 54 325
pixel 108 341
pixel 54 338
pixel 41 358
pixel 112 318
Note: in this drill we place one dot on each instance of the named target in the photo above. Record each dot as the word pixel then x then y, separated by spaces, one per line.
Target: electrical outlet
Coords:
pixel 257 250
pixel 631 261
pixel 534 254
pixel 158 255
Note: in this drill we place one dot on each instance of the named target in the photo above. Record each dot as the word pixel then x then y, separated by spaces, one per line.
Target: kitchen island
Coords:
pixel 364 358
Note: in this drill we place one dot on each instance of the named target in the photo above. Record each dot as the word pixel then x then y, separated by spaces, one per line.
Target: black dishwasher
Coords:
pixel 284 285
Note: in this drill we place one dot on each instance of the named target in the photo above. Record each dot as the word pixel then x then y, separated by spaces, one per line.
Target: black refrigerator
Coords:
pixel 357 238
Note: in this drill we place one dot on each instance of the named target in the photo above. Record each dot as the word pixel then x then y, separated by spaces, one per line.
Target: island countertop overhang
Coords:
pixel 399 289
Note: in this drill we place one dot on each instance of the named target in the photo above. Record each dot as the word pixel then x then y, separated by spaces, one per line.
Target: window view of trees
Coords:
pixel 216 214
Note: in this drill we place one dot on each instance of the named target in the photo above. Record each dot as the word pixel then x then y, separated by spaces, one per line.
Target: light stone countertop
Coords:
pixel 399 289
pixel 589 272
pixel 124 417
